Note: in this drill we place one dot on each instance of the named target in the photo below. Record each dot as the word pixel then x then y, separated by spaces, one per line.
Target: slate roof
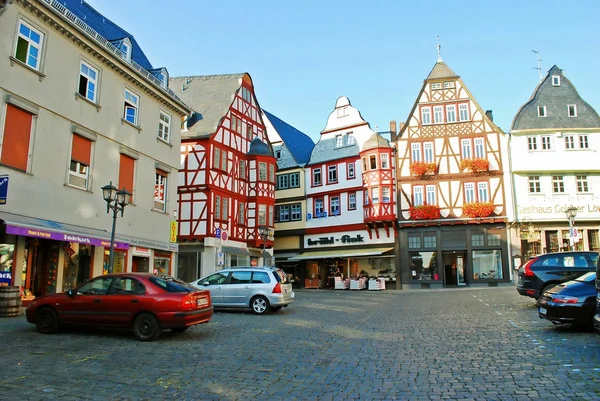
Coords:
pixel 106 28
pixel 325 150
pixel 259 148
pixel 556 99
pixel 441 70
pixel 210 96
pixel 296 142
pixel 376 141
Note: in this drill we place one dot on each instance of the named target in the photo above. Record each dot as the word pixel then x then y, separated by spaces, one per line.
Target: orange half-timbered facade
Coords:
pixel 453 188
pixel 226 188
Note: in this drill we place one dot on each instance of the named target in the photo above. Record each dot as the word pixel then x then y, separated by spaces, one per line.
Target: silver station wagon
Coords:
pixel 262 289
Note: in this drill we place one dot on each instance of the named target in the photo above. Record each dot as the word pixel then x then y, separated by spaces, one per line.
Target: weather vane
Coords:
pixel 439 48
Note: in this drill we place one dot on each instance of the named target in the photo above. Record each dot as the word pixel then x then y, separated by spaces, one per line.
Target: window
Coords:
pixel 417 195
pixel 375 195
pixel 373 162
pixel 246 94
pixel 572 110
pixel 451 113
pixel 426 115
pixel 364 161
pixel 125 48
pixel 160 191
pixel 448 85
pixel 17 138
pixel 283 213
pixel 217 210
pixel 558 185
pixel 482 191
pixel 384 160
pixel 463 110
pixel 584 142
pixel 582 183
pixel 469 192
pixel 541 111
pixel 130 109
pixel 555 80
pixel 339 142
pixel 87 81
pixel 532 142
pixel 29 45
pixel 225 208
pixel 296 212
pixel 546 142
pixel 164 126
pixel 262 171
pixel 385 194
pixel 350 140
pixel 294 180
pixel 332 177
pixel 162 77
pixel 429 240
pixel 317 176
pixel 352 201
pixel 494 239
pixel 350 171
pixel 319 207
pixel 334 205
pixel 477 239
pixel 242 169
pixel 262 215
pixel 250 134
pixel 479 149
pixel 278 154
pixel 430 189
pixel 487 264
pixel 79 170
pixel 272 173
pixel 233 123
pixel 416 152
pixel 282 181
pixel 466 149
pixel 217 158
pixel 241 213
pixel 436 85
pixel 126 174
pixel 534 184
pixel 366 195
pixel 438 114
pixel 428 151
pixel 414 241
pixel 569 142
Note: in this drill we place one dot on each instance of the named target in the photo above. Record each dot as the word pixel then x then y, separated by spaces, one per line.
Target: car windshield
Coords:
pixel 171 284
pixel 587 277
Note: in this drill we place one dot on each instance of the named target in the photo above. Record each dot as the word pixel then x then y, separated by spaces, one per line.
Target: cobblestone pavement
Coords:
pixel 464 344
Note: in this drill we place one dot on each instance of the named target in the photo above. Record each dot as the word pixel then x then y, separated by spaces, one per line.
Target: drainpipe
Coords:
pixel 514 205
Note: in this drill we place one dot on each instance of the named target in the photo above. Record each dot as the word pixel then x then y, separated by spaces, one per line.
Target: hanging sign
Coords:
pixel 173 231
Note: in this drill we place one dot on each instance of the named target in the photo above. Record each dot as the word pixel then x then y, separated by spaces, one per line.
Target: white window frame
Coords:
pixel 569 142
pixel 438 114
pixel 31 44
pixel 451 113
pixel 469 192
pixel 224 160
pixel 125 48
pixel 532 143
pixel 479 148
pixel 448 84
pixel 262 171
pixel 547 142
pixel 535 185
pixel 164 126
pixel 241 213
pixel 332 176
pixel 482 192
pixel 296 212
pixel 436 85
pixel 131 102
pixel 418 195
pixel 385 194
pixel 350 140
pixel 243 169
pixel 572 110
pixel 160 180
pixel 463 112
pixel 375 194
pixel 334 205
pixel 384 161
pixel 541 110
pixel 582 184
pixel 416 151
pixel 584 141
pixel 164 81
pixel 351 171
pixel 319 205
pixel 426 115
pixel 316 173
pixel 466 150
pixel 428 156
pixel 262 215
pixel 77 175
pixel 555 80
pixel 558 184
pixel 339 141
pixel 352 201
pixel 430 194
pixel 90 81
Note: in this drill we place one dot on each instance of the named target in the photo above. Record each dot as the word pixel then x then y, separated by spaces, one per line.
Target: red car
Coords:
pixel 144 302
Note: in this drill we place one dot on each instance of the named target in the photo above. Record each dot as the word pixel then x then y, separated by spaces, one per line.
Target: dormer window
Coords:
pixel 278 154
pixel 125 48
pixel 350 139
pixel 342 112
pixel 555 80
pixel 541 111
pixel 572 110
pixel 162 77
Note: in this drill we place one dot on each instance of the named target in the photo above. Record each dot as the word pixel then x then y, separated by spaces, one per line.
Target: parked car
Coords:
pixel 542 272
pixel 262 289
pixel 573 302
pixel 596 319
pixel 144 302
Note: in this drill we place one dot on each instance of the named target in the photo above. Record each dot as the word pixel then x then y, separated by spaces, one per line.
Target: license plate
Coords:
pixel 201 302
pixel 543 311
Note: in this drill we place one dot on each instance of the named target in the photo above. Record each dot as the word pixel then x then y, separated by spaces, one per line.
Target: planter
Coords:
pixel 422 168
pixel 478 209
pixel 425 212
pixel 475 164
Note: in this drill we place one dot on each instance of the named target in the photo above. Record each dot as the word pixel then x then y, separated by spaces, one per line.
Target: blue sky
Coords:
pixel 303 55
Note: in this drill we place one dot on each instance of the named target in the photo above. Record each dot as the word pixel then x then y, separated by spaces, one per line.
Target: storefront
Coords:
pixel 454 256
pixel 544 237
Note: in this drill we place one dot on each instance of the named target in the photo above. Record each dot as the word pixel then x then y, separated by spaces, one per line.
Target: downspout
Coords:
pixel 514 205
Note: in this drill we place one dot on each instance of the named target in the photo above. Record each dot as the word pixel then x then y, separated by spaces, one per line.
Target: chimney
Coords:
pixel 393 128
pixel 489 115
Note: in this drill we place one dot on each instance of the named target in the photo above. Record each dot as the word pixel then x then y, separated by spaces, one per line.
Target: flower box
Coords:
pixel 421 168
pixel 478 209
pixel 425 212
pixel 475 164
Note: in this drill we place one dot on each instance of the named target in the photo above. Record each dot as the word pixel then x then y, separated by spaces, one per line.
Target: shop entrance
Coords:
pixel 455 264
pixel 140 265
pixel 42 267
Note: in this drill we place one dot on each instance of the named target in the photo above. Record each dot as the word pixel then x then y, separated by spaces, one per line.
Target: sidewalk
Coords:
pixel 14 323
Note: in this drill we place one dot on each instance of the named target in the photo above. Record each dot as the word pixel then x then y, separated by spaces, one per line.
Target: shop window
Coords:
pixel 189 266
pixel 593 240
pixel 477 239
pixel 414 241
pixel 493 239
pixel 423 266
pixel 162 264
pixel 6 264
pixel 78 264
pixel 487 265
pixel 119 262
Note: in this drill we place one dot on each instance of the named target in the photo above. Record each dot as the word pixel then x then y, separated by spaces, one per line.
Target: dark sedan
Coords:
pixel 573 302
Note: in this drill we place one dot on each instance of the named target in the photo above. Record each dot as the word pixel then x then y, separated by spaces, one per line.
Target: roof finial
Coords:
pixel 377 129
pixel 439 47
pixel 539 66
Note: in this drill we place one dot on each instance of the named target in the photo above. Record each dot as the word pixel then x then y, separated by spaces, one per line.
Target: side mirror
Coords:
pixel 71 293
pixel 205 283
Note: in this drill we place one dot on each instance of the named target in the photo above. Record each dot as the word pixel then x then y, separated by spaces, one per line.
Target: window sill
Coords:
pixel 159 211
pixel 14 61
pixel 137 127
pixel 66 184
pixel 85 99
pixel 164 142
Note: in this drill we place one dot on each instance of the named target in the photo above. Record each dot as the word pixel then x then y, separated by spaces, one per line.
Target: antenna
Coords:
pixel 539 65
pixel 439 48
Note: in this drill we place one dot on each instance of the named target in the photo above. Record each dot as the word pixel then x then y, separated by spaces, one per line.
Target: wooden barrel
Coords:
pixel 10 301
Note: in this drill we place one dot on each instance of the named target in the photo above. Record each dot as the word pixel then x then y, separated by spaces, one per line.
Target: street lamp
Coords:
pixel 263 231
pixel 571 213
pixel 116 200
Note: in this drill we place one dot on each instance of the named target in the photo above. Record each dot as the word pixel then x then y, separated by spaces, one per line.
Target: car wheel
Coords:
pixel 179 329
pixel 260 305
pixel 146 327
pixel 276 308
pixel 46 321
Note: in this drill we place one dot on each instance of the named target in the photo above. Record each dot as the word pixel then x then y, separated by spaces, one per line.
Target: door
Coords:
pixel 214 283
pixel 239 289
pixel 86 305
pixel 460 269
pixel 125 298
pixel 455 267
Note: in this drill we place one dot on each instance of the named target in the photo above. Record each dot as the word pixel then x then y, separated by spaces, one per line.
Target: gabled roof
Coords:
pixel 556 99
pixel 210 96
pixel 441 70
pixel 299 144
pixel 106 28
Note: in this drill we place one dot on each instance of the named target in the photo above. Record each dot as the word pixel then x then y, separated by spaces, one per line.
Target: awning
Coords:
pixel 39 228
pixel 341 253
pixel 235 251
pixel 285 255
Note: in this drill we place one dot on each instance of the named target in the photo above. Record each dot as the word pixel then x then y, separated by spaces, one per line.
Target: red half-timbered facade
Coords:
pixel 453 188
pixel 226 186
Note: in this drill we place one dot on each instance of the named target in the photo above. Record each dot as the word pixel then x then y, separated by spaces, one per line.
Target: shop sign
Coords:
pixel 344 239
pixel 558 209
pixel 5 278
pixel 173 232
pixel 82 239
pixel 138 251
pixel 3 189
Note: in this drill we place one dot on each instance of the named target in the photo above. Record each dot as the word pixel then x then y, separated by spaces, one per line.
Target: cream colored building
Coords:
pixel 81 107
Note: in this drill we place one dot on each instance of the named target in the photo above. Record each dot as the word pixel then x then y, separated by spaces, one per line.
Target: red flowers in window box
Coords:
pixel 478 209
pixel 425 212
pixel 421 168
pixel 475 164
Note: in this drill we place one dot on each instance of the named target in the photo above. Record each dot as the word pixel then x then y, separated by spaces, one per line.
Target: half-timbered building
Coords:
pixel 453 177
pixel 226 188
pixel 349 228
pixel 555 139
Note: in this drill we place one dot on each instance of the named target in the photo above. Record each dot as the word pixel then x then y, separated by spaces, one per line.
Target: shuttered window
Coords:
pixel 82 149
pixel 17 136
pixel 126 170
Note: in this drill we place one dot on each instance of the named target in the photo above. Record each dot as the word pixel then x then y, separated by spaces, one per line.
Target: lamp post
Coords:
pixel 116 200
pixel 571 213
pixel 263 231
